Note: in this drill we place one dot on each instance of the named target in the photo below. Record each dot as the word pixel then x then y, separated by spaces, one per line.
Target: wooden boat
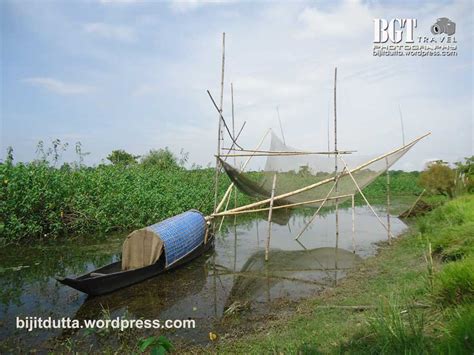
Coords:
pixel 110 278
pixel 149 252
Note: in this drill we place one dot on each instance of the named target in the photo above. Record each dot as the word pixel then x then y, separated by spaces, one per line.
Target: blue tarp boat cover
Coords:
pixel 180 234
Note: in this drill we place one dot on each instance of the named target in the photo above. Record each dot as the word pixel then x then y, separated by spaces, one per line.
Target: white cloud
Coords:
pixel 58 86
pixel 116 32
pixel 190 5
pixel 347 20
pixel 145 89
pixel 118 1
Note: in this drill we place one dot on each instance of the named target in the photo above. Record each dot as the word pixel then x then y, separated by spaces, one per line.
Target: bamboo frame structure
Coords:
pixel 325 181
pixel 267 245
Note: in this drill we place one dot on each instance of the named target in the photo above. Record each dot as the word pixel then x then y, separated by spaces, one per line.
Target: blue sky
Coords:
pixel 133 75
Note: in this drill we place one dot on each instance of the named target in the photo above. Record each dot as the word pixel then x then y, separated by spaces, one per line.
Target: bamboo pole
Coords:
pixel 366 201
pixel 235 247
pixel 206 236
pixel 214 282
pixel 416 201
pixel 335 159
pixel 219 134
pixel 301 244
pixel 329 108
pixel 222 82
pixel 265 153
pixel 325 181
pixel 235 140
pixel 223 120
pixel 281 127
pixel 223 217
pixel 290 151
pixel 229 189
pixel 401 122
pixel 353 225
pixel 267 246
pixel 233 132
pixel 317 211
pixel 388 203
pixel 290 205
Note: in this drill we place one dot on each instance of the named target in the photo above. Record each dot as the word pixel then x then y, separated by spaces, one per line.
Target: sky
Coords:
pixel 133 75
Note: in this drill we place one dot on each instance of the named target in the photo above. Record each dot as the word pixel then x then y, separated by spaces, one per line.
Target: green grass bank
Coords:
pixel 415 297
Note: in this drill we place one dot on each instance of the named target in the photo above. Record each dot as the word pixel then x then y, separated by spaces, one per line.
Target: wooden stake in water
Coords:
pixel 335 158
pixel 233 133
pixel 219 133
pixel 267 246
pixel 353 225
pixel 416 201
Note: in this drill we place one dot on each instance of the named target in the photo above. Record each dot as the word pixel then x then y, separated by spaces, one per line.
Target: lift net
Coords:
pixel 300 171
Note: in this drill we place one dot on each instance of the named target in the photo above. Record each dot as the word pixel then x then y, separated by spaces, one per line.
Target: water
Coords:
pixel 232 280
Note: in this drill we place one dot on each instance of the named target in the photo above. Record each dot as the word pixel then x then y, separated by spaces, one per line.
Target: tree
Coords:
pixel 161 158
pixel 438 177
pixel 466 173
pixel 304 170
pixel 121 157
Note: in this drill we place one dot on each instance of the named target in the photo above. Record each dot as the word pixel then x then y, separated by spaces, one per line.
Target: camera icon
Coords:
pixel 443 25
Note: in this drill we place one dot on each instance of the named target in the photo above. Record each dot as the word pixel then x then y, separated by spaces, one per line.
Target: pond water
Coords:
pixel 232 277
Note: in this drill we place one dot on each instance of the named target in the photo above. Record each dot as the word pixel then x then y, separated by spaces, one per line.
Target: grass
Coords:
pixel 410 316
pixel 459 335
pixel 455 283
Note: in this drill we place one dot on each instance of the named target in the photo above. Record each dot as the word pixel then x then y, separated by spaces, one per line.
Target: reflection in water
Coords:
pixel 321 267
pixel 235 272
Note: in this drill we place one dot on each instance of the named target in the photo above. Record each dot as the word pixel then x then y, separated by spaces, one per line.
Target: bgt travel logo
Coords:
pixel 397 37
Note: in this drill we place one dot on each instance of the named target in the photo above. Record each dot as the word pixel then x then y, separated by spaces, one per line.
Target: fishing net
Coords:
pixel 318 177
